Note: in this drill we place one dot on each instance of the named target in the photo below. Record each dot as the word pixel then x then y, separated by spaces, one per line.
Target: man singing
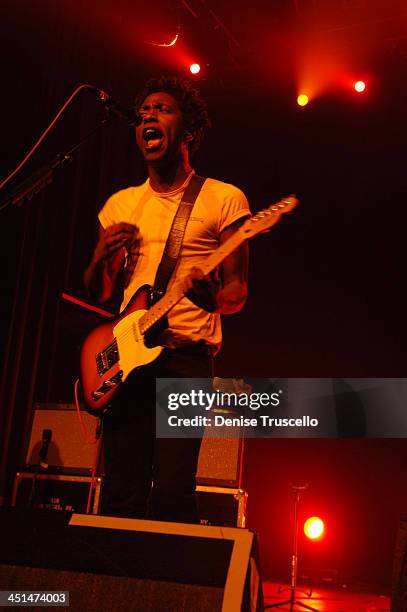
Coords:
pixel 146 476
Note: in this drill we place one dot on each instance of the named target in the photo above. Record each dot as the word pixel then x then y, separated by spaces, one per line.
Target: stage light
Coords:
pixel 314 528
pixel 302 100
pixel 194 68
pixel 359 86
pixel 170 44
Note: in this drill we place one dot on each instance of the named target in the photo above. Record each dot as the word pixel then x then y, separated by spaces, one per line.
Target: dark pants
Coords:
pixel 134 457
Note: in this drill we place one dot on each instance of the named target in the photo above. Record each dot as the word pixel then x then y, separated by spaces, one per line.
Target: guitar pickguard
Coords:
pixel 130 342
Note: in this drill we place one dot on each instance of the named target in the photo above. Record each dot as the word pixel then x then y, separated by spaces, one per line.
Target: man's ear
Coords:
pixel 188 137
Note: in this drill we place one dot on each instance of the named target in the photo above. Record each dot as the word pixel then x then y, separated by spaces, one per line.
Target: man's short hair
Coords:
pixel 189 100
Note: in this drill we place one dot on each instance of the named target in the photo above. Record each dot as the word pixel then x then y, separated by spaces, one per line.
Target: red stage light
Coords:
pixel 359 86
pixel 314 528
pixel 195 68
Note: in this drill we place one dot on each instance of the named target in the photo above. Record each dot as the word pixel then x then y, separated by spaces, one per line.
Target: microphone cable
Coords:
pixel 44 134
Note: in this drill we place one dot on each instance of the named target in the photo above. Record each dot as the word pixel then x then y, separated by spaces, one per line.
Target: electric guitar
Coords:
pixel 115 348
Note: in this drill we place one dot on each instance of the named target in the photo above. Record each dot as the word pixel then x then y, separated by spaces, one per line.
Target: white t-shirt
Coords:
pixel 217 206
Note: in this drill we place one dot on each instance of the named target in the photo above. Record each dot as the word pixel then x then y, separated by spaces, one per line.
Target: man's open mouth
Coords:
pixel 152 137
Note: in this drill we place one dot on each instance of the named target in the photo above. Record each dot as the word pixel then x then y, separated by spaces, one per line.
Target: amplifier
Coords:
pixel 221 456
pixel 68 451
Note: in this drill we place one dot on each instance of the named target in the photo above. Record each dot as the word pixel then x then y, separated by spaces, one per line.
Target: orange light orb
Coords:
pixel 302 100
pixel 359 86
pixel 195 68
pixel 314 528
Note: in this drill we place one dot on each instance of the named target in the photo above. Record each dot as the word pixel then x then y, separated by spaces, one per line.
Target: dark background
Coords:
pixel 326 286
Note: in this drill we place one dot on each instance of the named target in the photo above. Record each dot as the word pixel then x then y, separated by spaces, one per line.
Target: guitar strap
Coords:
pixel 176 236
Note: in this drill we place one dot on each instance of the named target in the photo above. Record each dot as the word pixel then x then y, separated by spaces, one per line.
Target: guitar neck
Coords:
pixel 176 293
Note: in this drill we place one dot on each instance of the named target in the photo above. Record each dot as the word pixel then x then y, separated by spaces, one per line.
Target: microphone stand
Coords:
pixel 39 179
pixel 41 463
pixel 293 601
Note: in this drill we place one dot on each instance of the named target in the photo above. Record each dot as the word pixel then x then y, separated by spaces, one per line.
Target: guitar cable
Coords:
pixel 87 439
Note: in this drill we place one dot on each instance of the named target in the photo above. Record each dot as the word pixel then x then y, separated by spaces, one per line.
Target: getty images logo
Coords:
pixel 229 392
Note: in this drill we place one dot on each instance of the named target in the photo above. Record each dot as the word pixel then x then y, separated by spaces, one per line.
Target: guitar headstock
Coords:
pixel 267 217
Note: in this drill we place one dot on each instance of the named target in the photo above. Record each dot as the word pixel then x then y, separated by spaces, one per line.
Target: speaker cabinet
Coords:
pixel 220 457
pixel 69 452
pixel 126 564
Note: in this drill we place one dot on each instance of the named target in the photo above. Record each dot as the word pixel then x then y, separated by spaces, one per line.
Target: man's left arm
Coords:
pixel 227 294
pixel 232 295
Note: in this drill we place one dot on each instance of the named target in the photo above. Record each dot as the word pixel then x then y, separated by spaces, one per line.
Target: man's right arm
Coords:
pixel 100 276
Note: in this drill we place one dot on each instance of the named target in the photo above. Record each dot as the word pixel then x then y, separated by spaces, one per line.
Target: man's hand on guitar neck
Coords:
pixel 202 290
pixel 229 295
pixel 208 293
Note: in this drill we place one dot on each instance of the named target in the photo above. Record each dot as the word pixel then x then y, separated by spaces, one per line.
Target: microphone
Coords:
pixel 123 112
pixel 46 439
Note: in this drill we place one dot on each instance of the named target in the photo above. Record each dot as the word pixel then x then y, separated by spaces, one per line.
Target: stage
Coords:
pixel 329 600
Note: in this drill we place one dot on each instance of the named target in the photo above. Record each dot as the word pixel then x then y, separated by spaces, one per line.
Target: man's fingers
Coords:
pixel 187 284
pixel 196 273
pixel 121 238
pixel 122 231
pixel 123 227
pixel 118 238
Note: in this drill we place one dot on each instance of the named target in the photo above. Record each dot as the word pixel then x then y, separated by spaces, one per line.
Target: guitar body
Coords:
pixel 113 350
